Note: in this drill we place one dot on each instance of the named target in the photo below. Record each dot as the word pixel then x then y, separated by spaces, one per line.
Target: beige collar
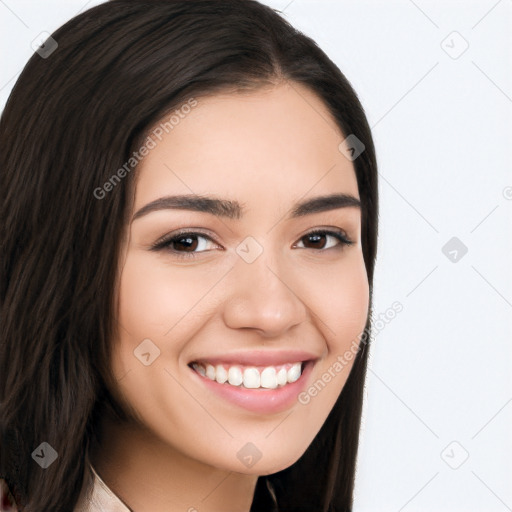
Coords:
pixel 99 498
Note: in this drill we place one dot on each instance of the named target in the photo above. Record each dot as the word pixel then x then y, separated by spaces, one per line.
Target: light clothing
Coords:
pixel 99 498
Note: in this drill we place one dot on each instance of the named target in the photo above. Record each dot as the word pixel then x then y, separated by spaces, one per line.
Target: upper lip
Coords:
pixel 259 357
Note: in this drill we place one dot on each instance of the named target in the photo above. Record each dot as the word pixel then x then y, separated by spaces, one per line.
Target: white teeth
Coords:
pixel 282 377
pixel 250 377
pixel 235 376
pixel 269 378
pixel 294 372
pixel 210 371
pixel 221 375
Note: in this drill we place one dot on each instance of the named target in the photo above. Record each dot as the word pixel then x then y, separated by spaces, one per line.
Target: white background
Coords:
pixel 439 386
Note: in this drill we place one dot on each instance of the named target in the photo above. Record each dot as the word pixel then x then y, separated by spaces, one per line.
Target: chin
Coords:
pixel 271 467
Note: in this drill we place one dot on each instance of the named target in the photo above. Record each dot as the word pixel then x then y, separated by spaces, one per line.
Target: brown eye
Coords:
pixel 189 243
pixel 184 245
pixel 318 239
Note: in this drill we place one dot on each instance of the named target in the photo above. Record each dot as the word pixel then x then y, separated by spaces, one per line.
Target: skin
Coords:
pixel 267 149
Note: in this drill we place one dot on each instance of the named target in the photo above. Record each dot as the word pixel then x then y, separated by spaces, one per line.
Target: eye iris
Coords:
pixel 189 240
pixel 315 237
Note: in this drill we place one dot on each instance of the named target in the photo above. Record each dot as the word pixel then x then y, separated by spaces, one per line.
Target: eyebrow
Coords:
pixel 234 210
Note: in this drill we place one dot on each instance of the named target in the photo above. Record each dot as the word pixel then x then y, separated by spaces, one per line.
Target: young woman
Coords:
pixel 188 226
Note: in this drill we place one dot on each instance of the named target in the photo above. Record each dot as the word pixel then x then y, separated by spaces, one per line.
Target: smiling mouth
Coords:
pixel 250 377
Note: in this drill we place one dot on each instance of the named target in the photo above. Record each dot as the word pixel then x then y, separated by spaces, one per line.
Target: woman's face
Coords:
pixel 249 293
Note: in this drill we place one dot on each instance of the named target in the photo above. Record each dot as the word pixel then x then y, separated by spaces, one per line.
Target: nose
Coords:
pixel 264 299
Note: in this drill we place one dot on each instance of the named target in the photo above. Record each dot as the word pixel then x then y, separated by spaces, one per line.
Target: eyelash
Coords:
pixel 165 242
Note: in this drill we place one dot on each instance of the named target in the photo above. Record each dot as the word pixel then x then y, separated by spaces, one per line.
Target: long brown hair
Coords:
pixel 72 119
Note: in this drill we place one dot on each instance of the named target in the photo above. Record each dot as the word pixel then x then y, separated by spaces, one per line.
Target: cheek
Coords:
pixel 342 310
pixel 155 298
pixel 160 302
pixel 343 301
pixel 353 302
pixel 150 303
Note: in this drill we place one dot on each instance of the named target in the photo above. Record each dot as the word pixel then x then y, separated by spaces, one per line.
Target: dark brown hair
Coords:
pixel 71 120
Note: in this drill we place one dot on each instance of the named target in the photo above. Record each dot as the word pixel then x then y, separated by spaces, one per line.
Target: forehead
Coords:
pixel 273 144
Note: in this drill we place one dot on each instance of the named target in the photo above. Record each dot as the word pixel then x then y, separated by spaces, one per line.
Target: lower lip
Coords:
pixel 261 400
